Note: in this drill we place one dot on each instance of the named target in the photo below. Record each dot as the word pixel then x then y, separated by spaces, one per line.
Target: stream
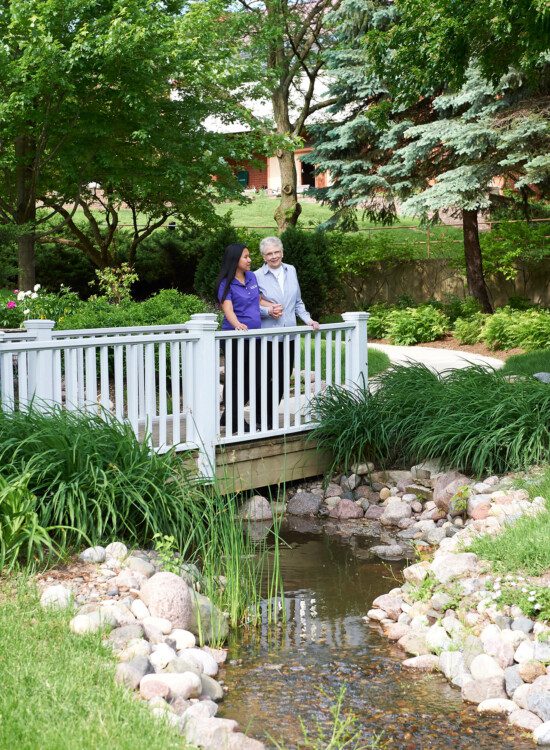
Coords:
pixel 281 675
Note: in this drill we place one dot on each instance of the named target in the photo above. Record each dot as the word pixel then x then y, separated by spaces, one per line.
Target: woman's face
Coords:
pixel 273 256
pixel 244 261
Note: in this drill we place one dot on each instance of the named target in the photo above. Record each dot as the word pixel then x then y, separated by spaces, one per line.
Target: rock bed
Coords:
pixel 150 620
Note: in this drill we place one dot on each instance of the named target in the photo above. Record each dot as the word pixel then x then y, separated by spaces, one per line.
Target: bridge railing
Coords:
pixel 165 380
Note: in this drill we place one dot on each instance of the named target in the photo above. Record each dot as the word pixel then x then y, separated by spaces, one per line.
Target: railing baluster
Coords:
pixel 328 352
pixel 104 380
pixel 241 343
pixel 119 381
pixel 150 401
pixel 132 385
pixel 91 377
pixel 80 377
pixel 228 389
pixel 297 380
pixel 175 378
pixel 263 380
pixel 162 394
pixel 275 383
pixel 71 378
pixel 286 382
pixel 219 385
pixel 252 385
pixel 307 374
pixel 22 380
pixel 6 377
pixel 189 391
pixel 317 362
pixel 57 391
pixel 140 354
pixel 338 359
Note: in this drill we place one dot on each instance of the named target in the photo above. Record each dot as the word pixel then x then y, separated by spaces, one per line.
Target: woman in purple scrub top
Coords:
pixel 239 298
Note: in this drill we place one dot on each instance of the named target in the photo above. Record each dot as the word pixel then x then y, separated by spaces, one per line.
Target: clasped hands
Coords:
pixel 275 311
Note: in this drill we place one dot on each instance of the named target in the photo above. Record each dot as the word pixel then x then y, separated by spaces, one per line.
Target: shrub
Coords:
pixel 167 307
pixel 471 419
pixel 309 252
pixel 20 306
pixel 415 325
pixel 377 325
pixel 469 330
pixel 508 328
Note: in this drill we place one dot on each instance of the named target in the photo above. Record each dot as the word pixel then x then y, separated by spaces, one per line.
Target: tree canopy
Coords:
pixel 115 94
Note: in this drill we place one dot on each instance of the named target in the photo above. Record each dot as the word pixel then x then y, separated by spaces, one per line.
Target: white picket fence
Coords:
pixel 165 381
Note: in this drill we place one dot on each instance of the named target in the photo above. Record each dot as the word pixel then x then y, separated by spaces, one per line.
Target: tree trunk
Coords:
pixel 474 264
pixel 289 209
pixel 25 214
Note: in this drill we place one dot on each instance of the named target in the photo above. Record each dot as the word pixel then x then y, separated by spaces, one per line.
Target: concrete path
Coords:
pixel 436 359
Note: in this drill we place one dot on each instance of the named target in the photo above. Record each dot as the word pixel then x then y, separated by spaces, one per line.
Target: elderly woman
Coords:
pixel 281 303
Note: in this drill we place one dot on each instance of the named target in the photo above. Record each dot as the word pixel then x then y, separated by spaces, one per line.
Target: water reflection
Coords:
pixel 293 672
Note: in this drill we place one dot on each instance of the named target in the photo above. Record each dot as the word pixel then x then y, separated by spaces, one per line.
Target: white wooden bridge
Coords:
pixel 165 382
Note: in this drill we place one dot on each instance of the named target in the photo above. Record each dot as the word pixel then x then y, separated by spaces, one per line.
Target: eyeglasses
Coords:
pixel 274 254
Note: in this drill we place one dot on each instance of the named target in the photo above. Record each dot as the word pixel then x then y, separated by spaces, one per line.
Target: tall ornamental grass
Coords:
pixel 471 419
pixel 68 479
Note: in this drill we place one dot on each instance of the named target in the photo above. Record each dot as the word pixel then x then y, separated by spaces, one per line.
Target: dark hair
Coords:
pixel 230 262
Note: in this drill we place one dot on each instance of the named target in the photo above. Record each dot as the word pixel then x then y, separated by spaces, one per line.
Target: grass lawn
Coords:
pixel 527 364
pixel 524 547
pixel 58 689
pixel 378 361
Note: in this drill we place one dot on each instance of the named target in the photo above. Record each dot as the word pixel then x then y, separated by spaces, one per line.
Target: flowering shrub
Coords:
pixel 37 304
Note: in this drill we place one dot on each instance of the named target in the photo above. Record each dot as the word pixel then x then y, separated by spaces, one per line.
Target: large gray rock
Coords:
pixel 414 643
pixel 167 595
pixel 524 720
pixel 538 702
pixel 211 688
pixel 541 735
pixel 478 691
pixel 120 637
pixel 93 554
pixel 512 679
pixel 390 603
pixel 179 685
pixel 346 509
pixel 132 672
pixel 256 508
pixel 445 489
pixel 394 511
pixel 304 504
pixel 207 621
pixel 544 377
pixel 57 597
pixel 139 565
pixel 448 566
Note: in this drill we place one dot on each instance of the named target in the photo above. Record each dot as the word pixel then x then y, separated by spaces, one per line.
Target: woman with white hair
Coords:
pixel 281 303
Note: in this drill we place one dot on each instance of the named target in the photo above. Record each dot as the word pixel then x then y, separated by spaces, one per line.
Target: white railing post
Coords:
pixel 40 364
pixel 205 390
pixel 359 368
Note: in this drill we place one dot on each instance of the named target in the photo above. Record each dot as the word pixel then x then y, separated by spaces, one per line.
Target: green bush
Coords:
pixel 167 307
pixel 471 419
pixel 415 325
pixel 508 328
pixel 509 245
pixel 38 304
pixel 469 330
pixel 309 253
pixel 377 325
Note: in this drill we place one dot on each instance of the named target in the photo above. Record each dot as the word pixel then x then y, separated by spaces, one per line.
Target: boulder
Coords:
pixel 394 511
pixel 541 735
pixel 530 670
pixel 167 595
pixel 484 666
pixel 497 706
pixel 448 565
pixel 390 603
pixel 478 691
pixel 445 489
pixel 207 621
pixel 57 597
pixel 256 508
pixel 524 720
pixel 131 673
pixel 423 663
pixel 538 702
pixel 414 643
pixel 172 684
pixel 304 504
pixel 346 509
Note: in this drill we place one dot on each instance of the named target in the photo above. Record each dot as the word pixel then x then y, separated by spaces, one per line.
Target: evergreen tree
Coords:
pixel 413 136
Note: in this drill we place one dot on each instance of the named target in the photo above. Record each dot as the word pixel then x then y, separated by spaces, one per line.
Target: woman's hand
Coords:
pixel 241 326
pixel 276 311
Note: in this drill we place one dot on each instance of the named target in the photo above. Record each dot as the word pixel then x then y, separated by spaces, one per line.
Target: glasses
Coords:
pixel 274 254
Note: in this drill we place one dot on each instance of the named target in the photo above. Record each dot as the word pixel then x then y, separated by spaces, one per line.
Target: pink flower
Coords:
pixel 16 291
pixel 11 304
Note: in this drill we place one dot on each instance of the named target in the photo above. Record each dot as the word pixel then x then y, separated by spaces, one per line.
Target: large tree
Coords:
pixel 289 38
pixel 115 94
pixel 414 123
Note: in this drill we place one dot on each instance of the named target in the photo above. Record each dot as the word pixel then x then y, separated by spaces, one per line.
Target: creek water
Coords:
pixel 287 674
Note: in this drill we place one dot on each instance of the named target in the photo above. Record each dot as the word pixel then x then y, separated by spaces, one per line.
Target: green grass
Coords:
pixel 528 364
pixel 524 546
pixel 58 689
pixel 378 361
pixel 470 419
